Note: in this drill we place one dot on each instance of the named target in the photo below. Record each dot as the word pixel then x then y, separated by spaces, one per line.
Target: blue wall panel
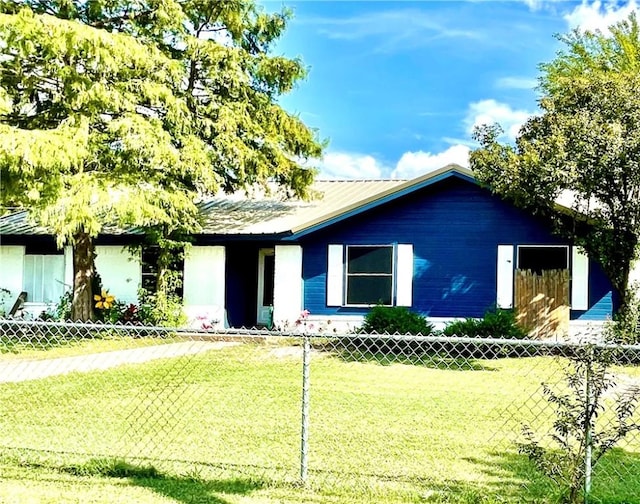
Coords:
pixel 455 228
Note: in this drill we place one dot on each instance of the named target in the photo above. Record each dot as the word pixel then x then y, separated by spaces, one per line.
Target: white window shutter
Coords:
pixel 504 295
pixel 404 271
pixel 579 280
pixel 335 275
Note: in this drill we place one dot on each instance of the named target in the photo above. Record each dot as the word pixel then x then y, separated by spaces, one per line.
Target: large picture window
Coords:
pixel 369 275
pixel 43 274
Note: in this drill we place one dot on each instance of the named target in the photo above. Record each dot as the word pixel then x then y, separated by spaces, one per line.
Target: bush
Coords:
pixel 496 323
pixel 395 320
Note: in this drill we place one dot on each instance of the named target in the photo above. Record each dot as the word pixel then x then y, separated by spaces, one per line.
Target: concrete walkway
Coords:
pixel 22 370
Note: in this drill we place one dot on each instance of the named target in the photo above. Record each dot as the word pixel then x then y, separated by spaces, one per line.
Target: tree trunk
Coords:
pixel 83 270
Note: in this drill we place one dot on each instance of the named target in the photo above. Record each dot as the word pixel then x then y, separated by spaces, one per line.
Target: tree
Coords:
pixel 585 143
pixel 585 426
pixel 117 112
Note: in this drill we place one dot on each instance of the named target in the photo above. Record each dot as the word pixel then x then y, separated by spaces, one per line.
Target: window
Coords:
pixel 149 279
pixel 43 274
pixel 364 275
pixel 369 275
pixel 542 258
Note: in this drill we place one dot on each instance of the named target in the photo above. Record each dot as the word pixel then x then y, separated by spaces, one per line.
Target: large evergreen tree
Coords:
pixel 124 112
pixel 583 146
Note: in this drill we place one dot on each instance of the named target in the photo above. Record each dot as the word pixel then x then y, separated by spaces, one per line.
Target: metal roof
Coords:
pixel 269 215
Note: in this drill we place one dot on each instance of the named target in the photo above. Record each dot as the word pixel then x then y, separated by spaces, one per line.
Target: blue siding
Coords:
pixel 455 228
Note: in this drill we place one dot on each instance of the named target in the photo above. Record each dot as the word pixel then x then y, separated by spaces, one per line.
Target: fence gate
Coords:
pixel 542 302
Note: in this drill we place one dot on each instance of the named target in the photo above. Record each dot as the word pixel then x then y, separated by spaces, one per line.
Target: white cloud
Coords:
pixel 599 15
pixel 492 111
pixel 345 165
pixel 413 164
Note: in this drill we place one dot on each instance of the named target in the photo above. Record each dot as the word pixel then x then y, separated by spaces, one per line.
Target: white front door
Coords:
pixel 266 270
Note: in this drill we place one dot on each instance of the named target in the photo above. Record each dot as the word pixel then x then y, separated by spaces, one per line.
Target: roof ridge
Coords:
pixel 362 180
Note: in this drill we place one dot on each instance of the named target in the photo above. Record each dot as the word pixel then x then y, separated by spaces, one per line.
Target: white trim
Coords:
pixel 579 279
pixel 504 277
pixel 335 275
pixel 263 315
pixel 404 274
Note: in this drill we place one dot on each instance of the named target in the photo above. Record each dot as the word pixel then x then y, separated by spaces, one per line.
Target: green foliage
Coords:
pixel 626 326
pixel 126 112
pixel 395 320
pixel 581 429
pixel 585 143
pixel 496 323
pixel 158 309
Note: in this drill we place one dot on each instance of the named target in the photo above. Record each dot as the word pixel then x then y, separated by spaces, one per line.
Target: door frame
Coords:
pixel 263 313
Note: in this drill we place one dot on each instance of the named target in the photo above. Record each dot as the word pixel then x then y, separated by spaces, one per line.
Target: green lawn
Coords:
pixel 224 427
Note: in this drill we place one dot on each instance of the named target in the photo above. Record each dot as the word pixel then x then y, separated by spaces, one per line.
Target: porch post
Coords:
pixel 204 286
pixel 287 289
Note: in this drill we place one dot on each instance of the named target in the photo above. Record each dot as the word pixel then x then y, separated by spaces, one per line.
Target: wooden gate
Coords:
pixel 542 302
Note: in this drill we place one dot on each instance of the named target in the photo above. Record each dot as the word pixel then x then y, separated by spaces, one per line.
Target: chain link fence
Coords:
pixel 382 418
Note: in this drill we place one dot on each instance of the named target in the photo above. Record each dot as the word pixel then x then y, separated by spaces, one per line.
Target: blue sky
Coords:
pixel 396 87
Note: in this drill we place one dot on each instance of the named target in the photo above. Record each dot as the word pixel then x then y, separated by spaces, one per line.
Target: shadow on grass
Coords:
pixel 514 477
pixel 387 352
pixel 182 489
pixel 187 489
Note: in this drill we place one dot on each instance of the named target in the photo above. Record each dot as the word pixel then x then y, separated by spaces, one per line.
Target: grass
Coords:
pixel 61 345
pixel 224 427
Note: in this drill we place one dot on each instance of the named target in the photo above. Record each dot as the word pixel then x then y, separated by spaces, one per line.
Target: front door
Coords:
pixel 266 271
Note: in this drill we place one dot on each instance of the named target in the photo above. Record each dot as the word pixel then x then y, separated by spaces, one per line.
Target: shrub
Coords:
pixel 587 424
pixel 160 309
pixel 395 320
pixel 496 323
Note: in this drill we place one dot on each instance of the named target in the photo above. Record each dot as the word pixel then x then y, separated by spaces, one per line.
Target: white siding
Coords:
pixel 335 276
pixel 204 284
pixel 287 288
pixel 504 294
pixel 404 269
pixel 120 271
pixel 579 280
pixel 11 271
pixel 68 268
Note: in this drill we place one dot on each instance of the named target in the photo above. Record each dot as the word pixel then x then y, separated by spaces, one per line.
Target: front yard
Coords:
pixel 224 427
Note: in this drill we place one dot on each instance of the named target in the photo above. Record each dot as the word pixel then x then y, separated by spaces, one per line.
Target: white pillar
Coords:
pixel 204 286
pixel 120 271
pixel 287 290
pixel 11 273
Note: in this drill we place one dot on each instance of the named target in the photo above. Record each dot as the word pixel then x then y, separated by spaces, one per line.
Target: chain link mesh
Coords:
pixel 409 418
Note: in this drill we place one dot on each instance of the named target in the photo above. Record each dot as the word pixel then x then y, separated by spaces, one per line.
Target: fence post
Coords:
pixel 304 433
pixel 588 416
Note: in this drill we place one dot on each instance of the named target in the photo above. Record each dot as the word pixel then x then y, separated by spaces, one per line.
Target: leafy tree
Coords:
pixel 117 112
pixel 584 144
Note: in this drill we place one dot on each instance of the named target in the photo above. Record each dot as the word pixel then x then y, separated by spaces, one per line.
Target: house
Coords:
pixel 439 244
